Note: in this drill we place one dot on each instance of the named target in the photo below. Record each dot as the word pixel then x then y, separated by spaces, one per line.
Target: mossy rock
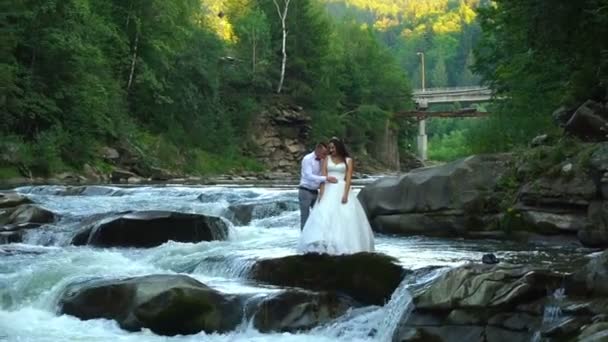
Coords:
pixel 369 278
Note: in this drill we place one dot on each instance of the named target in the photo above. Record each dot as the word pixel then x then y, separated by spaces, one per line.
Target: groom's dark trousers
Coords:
pixel 307 200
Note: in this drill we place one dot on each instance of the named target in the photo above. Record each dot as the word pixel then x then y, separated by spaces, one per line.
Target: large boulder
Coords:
pixel 165 304
pixel 477 286
pixel 441 198
pixel 151 228
pixel 593 277
pixel 476 302
pixel 589 121
pixel 295 310
pixel 595 234
pixel 366 277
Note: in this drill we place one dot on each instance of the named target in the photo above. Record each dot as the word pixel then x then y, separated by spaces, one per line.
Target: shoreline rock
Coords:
pixel 368 278
pixel 151 228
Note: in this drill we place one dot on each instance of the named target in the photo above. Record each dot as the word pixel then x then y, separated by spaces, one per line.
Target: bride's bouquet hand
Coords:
pixel 344 199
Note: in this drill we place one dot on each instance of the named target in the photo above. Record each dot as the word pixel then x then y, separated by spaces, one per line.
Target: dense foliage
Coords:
pixel 179 82
pixel 445 30
pixel 539 55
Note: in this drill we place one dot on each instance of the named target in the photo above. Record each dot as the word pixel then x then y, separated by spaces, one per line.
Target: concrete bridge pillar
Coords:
pixel 422 105
pixel 422 140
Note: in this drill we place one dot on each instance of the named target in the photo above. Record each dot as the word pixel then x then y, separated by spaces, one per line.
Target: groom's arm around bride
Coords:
pixel 311 179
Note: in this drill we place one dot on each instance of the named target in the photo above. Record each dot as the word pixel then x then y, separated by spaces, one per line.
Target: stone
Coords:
pixel 296 310
pixel 559 191
pixel 109 153
pixel 166 304
pixel 595 234
pixel 539 140
pixel 119 175
pixel 12 199
pixel 441 197
pixel 489 259
pixel 368 278
pixel 476 286
pixel 554 223
pixel 151 228
pixel 596 332
pixel 594 276
pixel 244 213
pixel 30 213
pixel 588 121
pixel 562 115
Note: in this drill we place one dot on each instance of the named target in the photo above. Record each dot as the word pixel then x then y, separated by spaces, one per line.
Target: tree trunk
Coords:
pixel 283 17
pixel 133 60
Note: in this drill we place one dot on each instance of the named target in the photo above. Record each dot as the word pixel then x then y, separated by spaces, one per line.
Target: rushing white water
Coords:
pixel 552 312
pixel 33 274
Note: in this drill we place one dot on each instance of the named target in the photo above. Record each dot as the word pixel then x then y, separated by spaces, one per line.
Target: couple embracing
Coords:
pixel 332 219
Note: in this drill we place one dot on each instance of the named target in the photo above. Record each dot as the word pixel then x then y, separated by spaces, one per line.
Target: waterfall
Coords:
pixel 552 312
pixel 397 310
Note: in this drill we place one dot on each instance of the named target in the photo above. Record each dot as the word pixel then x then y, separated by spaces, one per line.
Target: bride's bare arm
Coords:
pixel 324 172
pixel 349 176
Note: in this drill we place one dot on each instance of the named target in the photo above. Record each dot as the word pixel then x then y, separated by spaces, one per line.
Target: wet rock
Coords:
pixel 596 332
pixel 152 228
pixel 244 213
pixel 366 277
pixel 593 277
pixel 440 198
pixel 30 213
pixel 295 310
pixel 489 259
pixel 564 326
pixel 483 286
pixel 12 199
pixel 232 196
pixel 7 237
pixel 595 234
pixel 166 304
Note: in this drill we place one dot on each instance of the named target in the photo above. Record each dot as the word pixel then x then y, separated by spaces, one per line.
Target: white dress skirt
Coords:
pixel 333 227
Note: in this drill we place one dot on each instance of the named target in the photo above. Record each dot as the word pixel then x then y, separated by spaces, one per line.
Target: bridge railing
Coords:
pixel 450 90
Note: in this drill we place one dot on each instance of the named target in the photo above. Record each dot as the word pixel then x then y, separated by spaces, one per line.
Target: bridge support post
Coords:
pixel 422 140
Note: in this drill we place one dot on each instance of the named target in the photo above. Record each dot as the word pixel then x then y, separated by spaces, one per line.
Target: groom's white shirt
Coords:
pixel 311 172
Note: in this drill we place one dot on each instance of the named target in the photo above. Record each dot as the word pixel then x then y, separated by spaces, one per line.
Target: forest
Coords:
pixel 182 80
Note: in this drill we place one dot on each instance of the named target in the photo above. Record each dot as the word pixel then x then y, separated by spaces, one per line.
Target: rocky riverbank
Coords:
pixel 556 190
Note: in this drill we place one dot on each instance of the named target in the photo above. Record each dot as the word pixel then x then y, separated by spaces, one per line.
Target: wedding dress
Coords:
pixel 333 227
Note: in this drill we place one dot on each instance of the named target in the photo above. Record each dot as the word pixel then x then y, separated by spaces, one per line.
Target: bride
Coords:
pixel 337 223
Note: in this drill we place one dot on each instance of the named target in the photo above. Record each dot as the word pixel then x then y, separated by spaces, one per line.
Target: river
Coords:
pixel 34 273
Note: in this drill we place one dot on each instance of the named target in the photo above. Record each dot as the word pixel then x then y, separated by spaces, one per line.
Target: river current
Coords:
pixel 34 273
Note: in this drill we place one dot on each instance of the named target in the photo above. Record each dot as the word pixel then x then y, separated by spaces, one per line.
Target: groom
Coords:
pixel 311 179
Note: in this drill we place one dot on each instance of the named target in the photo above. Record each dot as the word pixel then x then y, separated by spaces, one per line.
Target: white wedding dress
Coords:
pixel 333 227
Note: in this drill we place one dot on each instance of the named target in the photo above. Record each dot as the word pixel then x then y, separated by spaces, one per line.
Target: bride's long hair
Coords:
pixel 341 150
